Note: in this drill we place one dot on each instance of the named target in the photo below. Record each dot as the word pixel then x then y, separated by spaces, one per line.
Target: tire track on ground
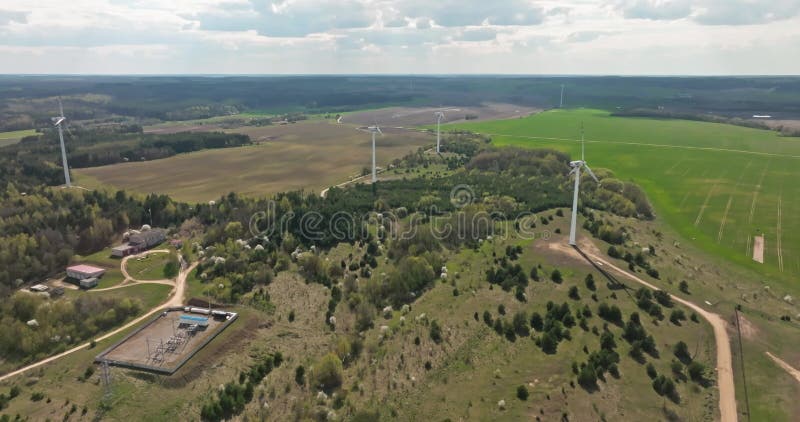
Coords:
pixel 730 201
pixel 705 203
pixel 778 234
pixel 755 193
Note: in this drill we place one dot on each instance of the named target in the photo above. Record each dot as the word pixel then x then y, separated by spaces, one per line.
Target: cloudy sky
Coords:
pixel 404 36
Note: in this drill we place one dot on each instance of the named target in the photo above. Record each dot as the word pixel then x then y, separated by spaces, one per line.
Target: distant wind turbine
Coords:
pixel 576 169
pixel 59 122
pixel 439 117
pixel 375 130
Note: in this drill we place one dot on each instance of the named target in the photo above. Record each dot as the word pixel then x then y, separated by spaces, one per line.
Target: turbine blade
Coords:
pixel 591 173
pixel 582 143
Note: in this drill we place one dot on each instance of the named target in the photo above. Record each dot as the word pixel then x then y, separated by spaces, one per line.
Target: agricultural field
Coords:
pixel 10 138
pixel 309 155
pixel 418 116
pixel 719 185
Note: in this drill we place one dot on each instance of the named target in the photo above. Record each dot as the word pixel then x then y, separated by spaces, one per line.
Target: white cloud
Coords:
pixel 417 36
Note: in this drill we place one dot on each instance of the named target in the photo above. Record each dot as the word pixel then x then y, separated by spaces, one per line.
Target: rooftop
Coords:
pixel 83 268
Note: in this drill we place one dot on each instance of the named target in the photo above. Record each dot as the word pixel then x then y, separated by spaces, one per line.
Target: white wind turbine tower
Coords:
pixel 59 122
pixel 375 130
pixel 439 117
pixel 576 169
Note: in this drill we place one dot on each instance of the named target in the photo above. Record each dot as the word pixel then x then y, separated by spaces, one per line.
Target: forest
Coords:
pixel 32 327
pixel 186 98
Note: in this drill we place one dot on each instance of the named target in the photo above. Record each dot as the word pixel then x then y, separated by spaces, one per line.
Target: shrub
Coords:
pixel 697 371
pixel 573 293
pixel 300 375
pixel 522 392
pixel 684 286
pixel 520 324
pixel 681 351
pixel 435 332
pixel 651 371
pixel 677 316
pixel 536 321
pixel 587 377
pixel 590 282
pixel 556 276
pixel 328 372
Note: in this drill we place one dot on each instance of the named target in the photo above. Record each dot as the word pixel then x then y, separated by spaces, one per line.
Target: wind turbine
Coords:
pixel 59 122
pixel 375 130
pixel 576 169
pixel 439 117
pixel 561 104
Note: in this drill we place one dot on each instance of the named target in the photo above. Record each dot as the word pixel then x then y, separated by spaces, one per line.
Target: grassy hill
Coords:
pixel 718 185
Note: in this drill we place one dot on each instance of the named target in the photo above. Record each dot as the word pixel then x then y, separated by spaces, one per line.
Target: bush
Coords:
pixel 677 316
pixel 536 321
pixel 300 375
pixel 522 392
pixel 328 372
pixel 556 276
pixel 613 252
pixel 590 282
pixel 681 351
pixel 520 324
pixel 651 371
pixel 684 286
pixel 573 293
pixel 697 372
pixel 435 332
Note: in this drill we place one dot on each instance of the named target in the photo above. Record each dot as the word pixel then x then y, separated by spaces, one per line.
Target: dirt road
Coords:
pixel 727 394
pixel 786 367
pixel 175 299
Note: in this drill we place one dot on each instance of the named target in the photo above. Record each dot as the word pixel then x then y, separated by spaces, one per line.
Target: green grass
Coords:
pixel 11 138
pixel 103 259
pixel 148 267
pixel 690 171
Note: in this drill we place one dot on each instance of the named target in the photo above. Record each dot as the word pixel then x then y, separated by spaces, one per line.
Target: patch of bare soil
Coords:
pixel 758 249
pixel 420 116
pixel 747 328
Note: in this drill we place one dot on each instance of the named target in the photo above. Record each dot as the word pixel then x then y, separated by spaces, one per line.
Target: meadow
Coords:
pixel 718 185
pixel 309 155
pixel 11 138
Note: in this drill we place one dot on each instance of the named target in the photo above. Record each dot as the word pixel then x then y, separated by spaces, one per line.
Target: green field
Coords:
pixel 148 267
pixel 718 185
pixel 11 138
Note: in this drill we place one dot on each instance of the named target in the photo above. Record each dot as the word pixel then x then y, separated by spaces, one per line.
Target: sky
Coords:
pixel 622 37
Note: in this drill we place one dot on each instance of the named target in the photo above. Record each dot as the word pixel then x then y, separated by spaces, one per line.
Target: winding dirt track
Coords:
pixel 175 298
pixel 727 392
